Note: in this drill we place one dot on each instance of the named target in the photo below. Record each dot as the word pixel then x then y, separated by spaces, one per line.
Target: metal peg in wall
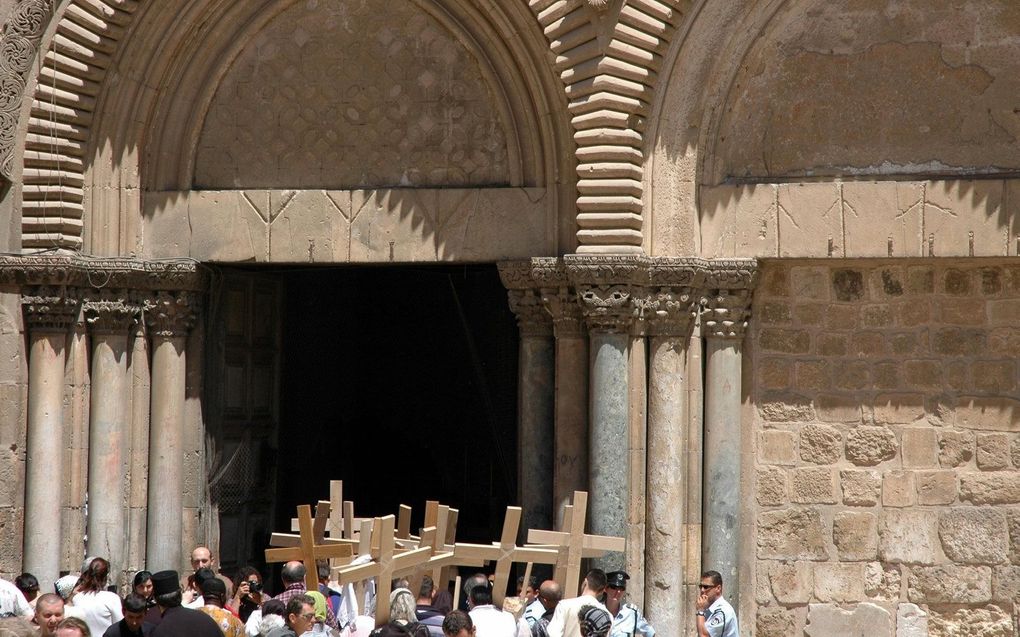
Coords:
pixel 970 237
pixel 931 244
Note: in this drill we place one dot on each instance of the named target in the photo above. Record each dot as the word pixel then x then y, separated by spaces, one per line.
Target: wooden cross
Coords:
pixel 384 566
pixel 505 553
pixel 574 543
pixel 308 551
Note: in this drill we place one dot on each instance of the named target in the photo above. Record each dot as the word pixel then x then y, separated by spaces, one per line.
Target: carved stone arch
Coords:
pixel 105 129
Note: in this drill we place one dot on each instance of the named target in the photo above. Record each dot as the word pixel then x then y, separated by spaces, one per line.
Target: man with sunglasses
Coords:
pixel 715 615
pixel 627 618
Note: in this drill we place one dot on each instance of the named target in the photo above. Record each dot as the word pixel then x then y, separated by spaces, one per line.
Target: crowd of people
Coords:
pixel 208 604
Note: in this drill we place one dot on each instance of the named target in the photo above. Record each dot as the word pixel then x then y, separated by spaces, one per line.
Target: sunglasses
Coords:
pixel 705 587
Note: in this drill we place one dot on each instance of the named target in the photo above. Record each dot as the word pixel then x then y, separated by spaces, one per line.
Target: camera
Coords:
pixel 254 587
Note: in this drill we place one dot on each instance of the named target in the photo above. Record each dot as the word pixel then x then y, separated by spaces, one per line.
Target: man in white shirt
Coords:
pixel 13 602
pixel 565 621
pixel 490 621
pixel 715 615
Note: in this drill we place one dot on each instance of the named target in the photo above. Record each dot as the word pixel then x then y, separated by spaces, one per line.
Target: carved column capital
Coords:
pixel 50 307
pixel 609 290
pixel 671 311
pixel 170 313
pixel 111 311
pixel 561 303
pixel 727 304
pixel 532 317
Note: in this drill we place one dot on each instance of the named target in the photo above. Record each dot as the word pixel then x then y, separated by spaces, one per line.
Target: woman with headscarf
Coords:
pixel 402 612
pixel 91 602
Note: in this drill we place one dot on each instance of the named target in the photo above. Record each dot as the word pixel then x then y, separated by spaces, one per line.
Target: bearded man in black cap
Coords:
pixel 178 620
pixel 627 618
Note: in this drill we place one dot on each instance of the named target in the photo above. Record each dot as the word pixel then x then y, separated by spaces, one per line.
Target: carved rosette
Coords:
pixel 171 313
pixel 52 308
pixel 561 303
pixel 532 317
pixel 111 311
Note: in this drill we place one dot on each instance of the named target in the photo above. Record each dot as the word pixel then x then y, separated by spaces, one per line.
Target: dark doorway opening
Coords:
pixel 402 381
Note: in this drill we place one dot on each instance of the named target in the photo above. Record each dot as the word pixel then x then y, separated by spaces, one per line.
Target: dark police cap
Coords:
pixel 165 582
pixel 214 586
pixel 617 579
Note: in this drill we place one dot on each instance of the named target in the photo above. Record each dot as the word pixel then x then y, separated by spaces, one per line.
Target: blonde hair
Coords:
pixel 402 606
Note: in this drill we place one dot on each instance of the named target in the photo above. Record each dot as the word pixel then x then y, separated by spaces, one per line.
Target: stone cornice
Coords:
pixel 97 273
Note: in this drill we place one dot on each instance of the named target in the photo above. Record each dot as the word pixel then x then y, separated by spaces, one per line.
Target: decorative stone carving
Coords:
pixel 171 313
pixel 111 310
pixel 726 314
pixel 561 303
pixel 670 311
pixel 50 307
pixel 96 273
pixel 516 275
pixel 532 317
pixel 18 46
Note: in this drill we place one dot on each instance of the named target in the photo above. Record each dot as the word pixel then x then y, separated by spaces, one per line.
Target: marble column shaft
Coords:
pixel 48 316
pixel 725 323
pixel 109 430
pixel 535 409
pixel 169 316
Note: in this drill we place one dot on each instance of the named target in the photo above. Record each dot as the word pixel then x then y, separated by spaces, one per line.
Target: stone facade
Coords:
pixel 885 429
pixel 762 256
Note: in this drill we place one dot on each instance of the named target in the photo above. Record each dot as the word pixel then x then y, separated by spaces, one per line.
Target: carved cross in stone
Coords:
pixel 384 566
pixel 308 550
pixel 505 553
pixel 573 544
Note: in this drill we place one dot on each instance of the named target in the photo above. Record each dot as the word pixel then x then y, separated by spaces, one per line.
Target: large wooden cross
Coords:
pixel 384 566
pixel 504 553
pixel 308 550
pixel 574 544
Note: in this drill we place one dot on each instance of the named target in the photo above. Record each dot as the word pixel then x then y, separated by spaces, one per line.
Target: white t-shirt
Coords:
pixel 12 601
pixel 99 610
pixel 490 621
pixel 564 622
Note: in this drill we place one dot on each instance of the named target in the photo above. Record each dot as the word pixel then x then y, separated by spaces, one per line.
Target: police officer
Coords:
pixel 627 619
pixel 715 615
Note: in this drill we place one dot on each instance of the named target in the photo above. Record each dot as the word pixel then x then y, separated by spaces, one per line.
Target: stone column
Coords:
pixel 670 317
pixel 570 468
pixel 724 324
pixel 50 311
pixel 535 411
pixel 609 314
pixel 110 315
pixel 169 316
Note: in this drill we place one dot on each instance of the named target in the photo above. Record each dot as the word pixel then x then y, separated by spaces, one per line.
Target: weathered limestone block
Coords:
pixel 950 584
pixel 11 525
pixel 1005 341
pixel 777 446
pixel 918 446
pixel 866 620
pixel 774 373
pixel 783 407
pixel 1014 453
pixel 1005 583
pixel 775 622
pixel 994 376
pixel 809 282
pixel 771 486
pixel 974 535
pixel 882 582
pixel 793 534
pixel 839 582
pixel 810 220
pixel 1001 487
pixel 990 621
pixel 935 487
pixel 869 446
pixel 955 448
pixel 1013 521
pixel 791 582
pixel 911 621
pixel 908 536
pixel 837 408
pixel 855 534
pixel 992 451
pixel 784 340
pixel 820 444
pixel 898 489
pixel 860 487
pixel 814 485
pixel 985 413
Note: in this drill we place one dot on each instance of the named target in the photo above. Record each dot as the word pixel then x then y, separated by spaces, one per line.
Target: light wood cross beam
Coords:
pixel 319 526
pixel 308 551
pixel 384 566
pixel 573 544
pixel 504 553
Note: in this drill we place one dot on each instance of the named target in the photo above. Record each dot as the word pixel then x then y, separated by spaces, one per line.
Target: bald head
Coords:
pixel 550 594
pixel 293 572
pixel 201 557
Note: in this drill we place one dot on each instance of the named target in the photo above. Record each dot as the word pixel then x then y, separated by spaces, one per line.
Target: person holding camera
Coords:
pixel 248 593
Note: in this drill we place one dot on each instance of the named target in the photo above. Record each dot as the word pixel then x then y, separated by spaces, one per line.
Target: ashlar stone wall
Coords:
pixel 887 448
